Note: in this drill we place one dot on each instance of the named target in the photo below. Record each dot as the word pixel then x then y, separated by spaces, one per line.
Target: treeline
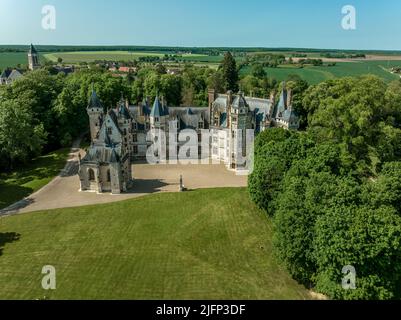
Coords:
pixel 42 112
pixel 334 191
pixel 341 55
pixel 195 50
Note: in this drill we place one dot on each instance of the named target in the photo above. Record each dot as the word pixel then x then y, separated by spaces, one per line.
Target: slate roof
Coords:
pixel 11 74
pixel 94 101
pixel 15 74
pixel 123 111
pixel 113 117
pixel 189 117
pixel 157 110
pixel 114 158
pixel 290 116
pixel 239 102
pixel 5 74
pixel 101 154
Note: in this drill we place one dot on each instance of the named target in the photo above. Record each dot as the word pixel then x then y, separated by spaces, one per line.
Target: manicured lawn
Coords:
pixel 25 180
pixel 204 244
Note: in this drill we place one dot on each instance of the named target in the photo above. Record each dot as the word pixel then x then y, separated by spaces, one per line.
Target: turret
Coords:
pixel 159 114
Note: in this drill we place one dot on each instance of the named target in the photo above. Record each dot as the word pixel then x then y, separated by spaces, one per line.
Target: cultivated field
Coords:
pixel 12 59
pixel 205 244
pixel 379 65
pixel 91 56
pixel 316 75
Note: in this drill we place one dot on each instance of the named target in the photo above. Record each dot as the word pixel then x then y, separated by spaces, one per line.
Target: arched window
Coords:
pixel 91 174
pixel 108 176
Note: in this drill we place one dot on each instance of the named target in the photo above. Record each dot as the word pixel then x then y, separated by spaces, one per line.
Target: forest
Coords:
pixel 334 189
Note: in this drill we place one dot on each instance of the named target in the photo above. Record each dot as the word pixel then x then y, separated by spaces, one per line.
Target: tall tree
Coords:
pixel 230 72
pixel 20 137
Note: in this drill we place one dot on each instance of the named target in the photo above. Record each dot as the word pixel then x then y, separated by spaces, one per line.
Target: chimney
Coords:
pixel 272 102
pixel 229 98
pixel 229 104
pixel 289 98
pixel 212 98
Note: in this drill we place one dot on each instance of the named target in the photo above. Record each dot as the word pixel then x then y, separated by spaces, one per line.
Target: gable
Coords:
pixel 110 130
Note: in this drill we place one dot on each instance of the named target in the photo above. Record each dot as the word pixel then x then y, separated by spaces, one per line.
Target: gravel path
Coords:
pixel 63 191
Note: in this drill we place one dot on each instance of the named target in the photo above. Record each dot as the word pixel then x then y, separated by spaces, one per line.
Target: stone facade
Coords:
pixel 107 164
pixel 233 114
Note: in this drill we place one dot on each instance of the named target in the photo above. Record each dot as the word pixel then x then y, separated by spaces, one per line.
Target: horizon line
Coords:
pixel 201 47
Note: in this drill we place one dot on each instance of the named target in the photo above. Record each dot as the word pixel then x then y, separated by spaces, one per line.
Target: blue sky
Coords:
pixel 251 23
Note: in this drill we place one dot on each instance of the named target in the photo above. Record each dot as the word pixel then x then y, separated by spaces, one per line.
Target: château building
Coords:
pixel 121 135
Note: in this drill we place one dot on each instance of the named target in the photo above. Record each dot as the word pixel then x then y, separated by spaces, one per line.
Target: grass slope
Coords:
pixel 25 180
pixel 205 244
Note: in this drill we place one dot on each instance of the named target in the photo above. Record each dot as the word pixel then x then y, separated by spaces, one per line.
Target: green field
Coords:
pixel 316 75
pixel 204 244
pixel 91 56
pixel 311 74
pixel 25 180
pixel 12 59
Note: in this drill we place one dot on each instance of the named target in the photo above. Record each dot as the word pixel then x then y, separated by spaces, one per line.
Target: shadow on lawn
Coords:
pixel 40 168
pixel 8 237
pixel 11 193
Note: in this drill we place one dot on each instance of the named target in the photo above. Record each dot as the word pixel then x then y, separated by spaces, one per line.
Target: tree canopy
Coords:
pixel 334 191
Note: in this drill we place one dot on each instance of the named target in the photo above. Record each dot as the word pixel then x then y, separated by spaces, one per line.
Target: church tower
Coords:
pixel 33 58
pixel 96 113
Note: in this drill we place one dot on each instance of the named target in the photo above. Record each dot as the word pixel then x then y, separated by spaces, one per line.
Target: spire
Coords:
pixel 94 101
pixel 157 109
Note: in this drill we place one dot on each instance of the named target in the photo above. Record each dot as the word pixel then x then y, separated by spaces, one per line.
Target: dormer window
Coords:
pixel 109 131
pixel 201 125
pixel 157 119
